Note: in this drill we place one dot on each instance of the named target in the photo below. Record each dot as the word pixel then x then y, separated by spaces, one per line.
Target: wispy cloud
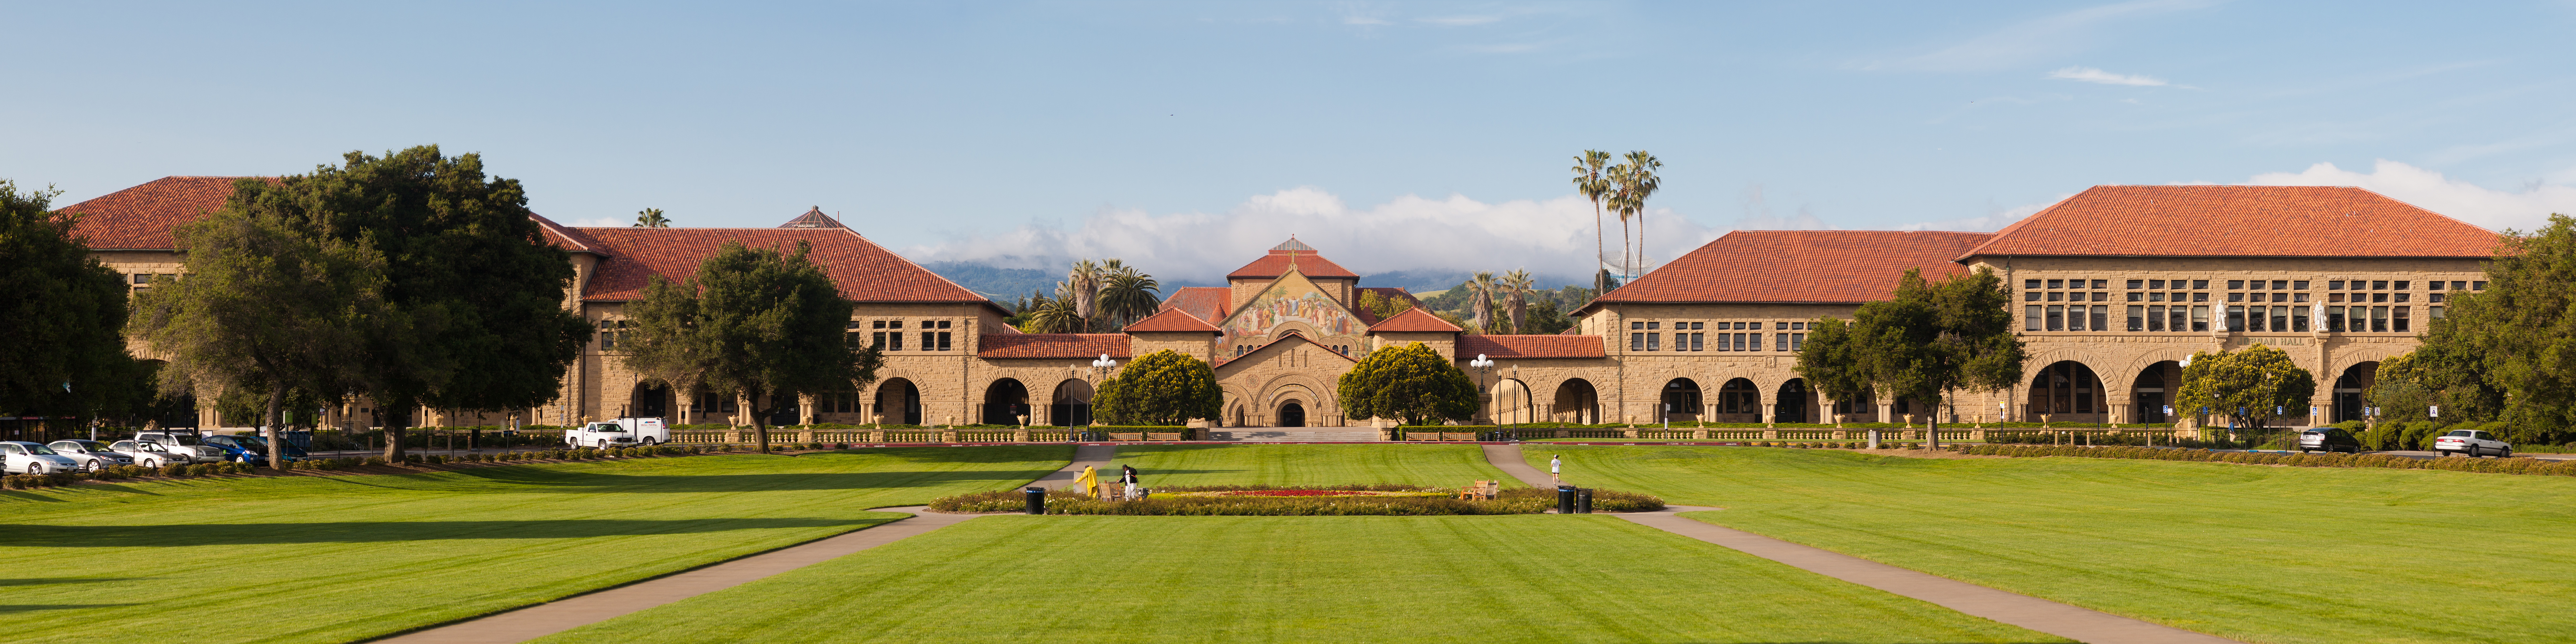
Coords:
pixel 599 222
pixel 2029 41
pixel 2093 75
pixel 1995 220
pixel 2495 209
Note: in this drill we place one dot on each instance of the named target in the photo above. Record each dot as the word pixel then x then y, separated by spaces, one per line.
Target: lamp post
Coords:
pixel 1102 368
pixel 1484 368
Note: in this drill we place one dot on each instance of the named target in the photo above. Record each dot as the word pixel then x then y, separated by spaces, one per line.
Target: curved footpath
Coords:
pixel 2062 620
pixel 523 624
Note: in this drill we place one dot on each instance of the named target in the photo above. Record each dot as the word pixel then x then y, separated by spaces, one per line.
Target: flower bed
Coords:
pixel 1260 500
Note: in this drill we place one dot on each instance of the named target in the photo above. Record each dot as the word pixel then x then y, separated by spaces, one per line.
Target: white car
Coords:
pixel 623 432
pixel 145 457
pixel 92 455
pixel 184 447
pixel 2471 442
pixel 29 458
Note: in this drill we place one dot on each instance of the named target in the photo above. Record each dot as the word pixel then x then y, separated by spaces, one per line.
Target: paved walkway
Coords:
pixel 2071 622
pixel 561 615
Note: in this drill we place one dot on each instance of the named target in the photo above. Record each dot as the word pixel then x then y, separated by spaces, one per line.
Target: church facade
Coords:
pixel 2113 286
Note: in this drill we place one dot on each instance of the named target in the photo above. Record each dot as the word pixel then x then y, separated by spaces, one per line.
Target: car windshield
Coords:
pixel 37 449
pixel 253 442
pixel 122 446
pixel 2461 433
pixel 607 428
pixel 185 439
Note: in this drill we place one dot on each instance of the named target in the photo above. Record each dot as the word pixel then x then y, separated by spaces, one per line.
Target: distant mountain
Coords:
pixel 1419 280
pixel 1008 284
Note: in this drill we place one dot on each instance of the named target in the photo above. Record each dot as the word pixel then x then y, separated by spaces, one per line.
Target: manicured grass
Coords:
pixel 1445 466
pixel 334 559
pixel 1298 579
pixel 2258 553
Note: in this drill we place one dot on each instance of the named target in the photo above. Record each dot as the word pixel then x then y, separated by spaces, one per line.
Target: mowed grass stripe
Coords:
pixel 1299 579
pixel 333 559
pixel 1288 465
pixel 2258 553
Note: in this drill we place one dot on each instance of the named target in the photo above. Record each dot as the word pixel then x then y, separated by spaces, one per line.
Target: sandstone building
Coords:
pixel 2114 286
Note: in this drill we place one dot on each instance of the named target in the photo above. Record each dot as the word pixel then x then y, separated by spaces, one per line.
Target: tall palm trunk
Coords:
pixel 1600 283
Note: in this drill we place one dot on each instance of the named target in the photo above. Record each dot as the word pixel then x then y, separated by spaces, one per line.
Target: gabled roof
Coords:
pixel 1052 345
pixel 1530 346
pixel 142 217
pixel 569 238
pixel 1276 263
pixel 1798 266
pixel 1414 319
pixel 2237 221
pixel 1224 360
pixel 1173 320
pixel 1209 303
pixel 867 273
pixel 813 219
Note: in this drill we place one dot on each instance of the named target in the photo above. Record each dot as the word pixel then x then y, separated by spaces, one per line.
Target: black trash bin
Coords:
pixel 1564 499
pixel 1037 499
pixel 1583 501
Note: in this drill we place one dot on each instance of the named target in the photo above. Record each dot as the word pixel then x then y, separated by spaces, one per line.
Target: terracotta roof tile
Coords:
pixel 1171 320
pixel 1831 266
pixel 1414 319
pixel 143 216
pixel 813 219
pixel 568 238
pixel 1052 345
pixel 1275 263
pixel 2237 221
pixel 1207 303
pixel 867 272
pixel 1530 346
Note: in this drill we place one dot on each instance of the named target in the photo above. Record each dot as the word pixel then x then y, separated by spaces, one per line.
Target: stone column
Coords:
pixel 1886 412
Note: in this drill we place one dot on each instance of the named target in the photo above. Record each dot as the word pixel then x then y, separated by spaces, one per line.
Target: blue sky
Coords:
pixel 1187 137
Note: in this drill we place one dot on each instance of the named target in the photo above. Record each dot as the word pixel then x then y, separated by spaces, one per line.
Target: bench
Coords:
pixel 1422 436
pixel 1440 436
pixel 1484 490
pixel 1162 436
pixel 1127 436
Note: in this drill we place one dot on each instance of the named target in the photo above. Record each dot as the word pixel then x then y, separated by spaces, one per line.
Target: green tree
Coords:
pixel 1051 314
pixel 1545 319
pixel 1632 183
pixel 1127 295
pixel 651 218
pixel 1081 287
pixel 62 312
pixel 1924 343
pixel 1516 291
pixel 474 316
pixel 2251 387
pixel 753 323
pixel 1410 382
pixel 1588 181
pixel 2510 351
pixel 261 312
pixel 1161 388
pixel 1481 289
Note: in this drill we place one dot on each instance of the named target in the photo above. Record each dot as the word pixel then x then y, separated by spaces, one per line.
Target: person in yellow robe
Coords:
pixel 1088 481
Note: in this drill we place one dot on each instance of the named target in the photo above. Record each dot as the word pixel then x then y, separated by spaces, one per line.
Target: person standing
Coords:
pixel 1556 466
pixel 1127 475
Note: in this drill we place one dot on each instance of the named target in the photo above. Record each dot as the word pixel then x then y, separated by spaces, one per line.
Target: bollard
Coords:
pixel 1037 499
pixel 1583 501
pixel 1564 499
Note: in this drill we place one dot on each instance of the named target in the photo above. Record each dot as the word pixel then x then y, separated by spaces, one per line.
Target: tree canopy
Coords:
pixel 1410 382
pixel 759 323
pixel 62 312
pixel 2252 387
pixel 1161 388
pixel 1923 343
pixel 2509 352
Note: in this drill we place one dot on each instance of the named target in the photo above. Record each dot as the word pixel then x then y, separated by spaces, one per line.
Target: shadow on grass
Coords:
pixel 531 480
pixel 222 534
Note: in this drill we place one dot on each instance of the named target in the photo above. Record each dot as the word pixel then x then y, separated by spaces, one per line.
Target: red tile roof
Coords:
pixel 1052 345
pixel 1209 303
pixel 1825 266
pixel 1530 346
pixel 567 238
pixel 868 273
pixel 1172 320
pixel 1414 319
pixel 142 217
pixel 2237 221
pixel 1276 263
pixel 813 219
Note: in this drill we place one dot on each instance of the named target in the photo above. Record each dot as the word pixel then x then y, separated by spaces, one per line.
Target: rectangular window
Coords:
pixel 2137 297
pixel 928 339
pixel 2299 285
pixel 2378 319
pixel 2056 284
pixel 1654 342
pixel 2200 297
pixel 2334 319
pixel 1637 341
pixel 2459 286
pixel 2401 297
pixel 1797 326
pixel 2055 296
pixel 1781 343
pixel 1797 341
pixel 2236 297
pixel 2281 319
pixel 2474 286
pixel 2401 284
pixel 2379 297
pixel 2200 285
pixel 2056 318
pixel 2030 284
pixel 2234 285
pixel 2102 318
pixel 2254 318
pixel 2137 318
pixel 1698 341
pixel 2155 318
pixel 2236 319
pixel 894 339
pixel 2399 321
pixel 2101 297
pixel 2258 297
pixel 2157 285
pixel 2137 284
pixel 2436 298
pixel 894 324
pixel 2030 318
pixel 943 338
pixel 2435 284
pixel 2278 285
pixel 1634 326
pixel 1652 326
pixel 2156 297
pixel 142 278
pixel 879 324
pixel 2299 319
pixel 2436 312
pixel 877 341
pixel 1696 325
pixel 2199 318
pixel 2298 297
pixel 2179 321
pixel 2379 285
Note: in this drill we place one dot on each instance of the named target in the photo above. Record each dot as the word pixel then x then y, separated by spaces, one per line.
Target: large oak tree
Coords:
pixel 757 323
pixel 62 314
pixel 1923 343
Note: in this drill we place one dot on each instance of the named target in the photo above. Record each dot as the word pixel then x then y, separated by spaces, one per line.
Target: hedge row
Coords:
pixel 2490 465
pixel 1068 500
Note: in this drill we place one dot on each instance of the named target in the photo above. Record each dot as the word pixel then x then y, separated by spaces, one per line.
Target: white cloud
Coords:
pixel 2025 42
pixel 2494 209
pixel 1991 222
pixel 1409 233
pixel 2092 75
pixel 600 222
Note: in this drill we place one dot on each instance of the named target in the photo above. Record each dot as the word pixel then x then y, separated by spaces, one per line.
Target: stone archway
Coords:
pixel 1738 401
pixel 1681 400
pixel 2351 390
pixel 1292 413
pixel 899 402
pixel 649 400
pixel 2153 392
pixel 1794 402
pixel 2067 391
pixel 1071 404
pixel 1005 401
pixel 1577 402
pixel 1512 403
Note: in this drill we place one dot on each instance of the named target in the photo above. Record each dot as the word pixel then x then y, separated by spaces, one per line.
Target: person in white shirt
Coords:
pixel 1555 466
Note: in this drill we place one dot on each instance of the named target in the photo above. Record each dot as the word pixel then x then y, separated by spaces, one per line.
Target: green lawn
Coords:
pixel 2258 553
pixel 333 559
pixel 1425 465
pixel 1298 579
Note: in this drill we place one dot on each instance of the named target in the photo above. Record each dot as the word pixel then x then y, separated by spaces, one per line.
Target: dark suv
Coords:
pixel 2328 439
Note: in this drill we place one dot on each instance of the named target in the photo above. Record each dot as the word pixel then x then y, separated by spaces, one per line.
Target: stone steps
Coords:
pixel 1294 434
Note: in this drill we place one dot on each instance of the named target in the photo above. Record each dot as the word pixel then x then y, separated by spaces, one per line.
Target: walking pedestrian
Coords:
pixel 1127 475
pixel 1555 466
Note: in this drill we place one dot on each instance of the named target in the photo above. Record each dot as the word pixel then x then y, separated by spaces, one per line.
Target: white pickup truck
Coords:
pixel 623 432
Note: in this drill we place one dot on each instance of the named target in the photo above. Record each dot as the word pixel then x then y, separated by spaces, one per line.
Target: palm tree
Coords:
pixel 651 218
pixel 1516 289
pixel 1082 285
pixel 1052 314
pixel 1480 298
pixel 1128 295
pixel 1623 204
pixel 1589 182
pixel 1641 183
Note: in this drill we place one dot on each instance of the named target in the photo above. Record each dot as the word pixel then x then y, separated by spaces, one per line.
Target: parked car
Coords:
pixel 2329 440
pixel 22 457
pixel 259 447
pixel 91 455
pixel 183 447
pixel 145 457
pixel 623 432
pixel 2470 443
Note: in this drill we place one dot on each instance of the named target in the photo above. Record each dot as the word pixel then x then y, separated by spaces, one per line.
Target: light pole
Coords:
pixel 1104 369
pixel 1484 368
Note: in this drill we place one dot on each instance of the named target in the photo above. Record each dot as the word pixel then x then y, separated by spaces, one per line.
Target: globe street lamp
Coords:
pixel 1484 367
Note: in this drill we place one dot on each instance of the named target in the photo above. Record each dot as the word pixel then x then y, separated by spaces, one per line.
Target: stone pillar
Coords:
pixel 1886 412
pixel 1769 414
pixel 804 409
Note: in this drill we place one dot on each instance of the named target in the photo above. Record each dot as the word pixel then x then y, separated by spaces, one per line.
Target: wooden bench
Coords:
pixel 1162 436
pixel 1485 490
pixel 1127 436
pixel 1440 436
pixel 1421 436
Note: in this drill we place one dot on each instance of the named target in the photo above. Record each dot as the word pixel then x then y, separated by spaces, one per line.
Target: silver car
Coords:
pixel 183 447
pixel 23 457
pixel 92 455
pixel 146 457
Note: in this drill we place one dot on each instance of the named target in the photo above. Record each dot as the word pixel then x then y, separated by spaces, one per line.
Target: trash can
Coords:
pixel 1564 499
pixel 1583 501
pixel 1037 499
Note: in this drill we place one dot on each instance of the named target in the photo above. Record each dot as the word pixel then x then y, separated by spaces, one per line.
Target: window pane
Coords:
pixel 1699 341
pixel 2254 318
pixel 1797 341
pixel 2235 285
pixel 2200 318
pixel 1636 342
pixel 2137 318
pixel 2437 313
pixel 2281 319
pixel 1654 341
pixel 2334 319
pixel 2056 318
pixel 2378 319
pixel 2236 318
pixel 2030 318
pixel 2057 283
pixel 1780 341
pixel 2075 318
pixel 2299 319
pixel 2180 323
pixel 2299 285
pixel 2399 322
pixel 2101 317
pixel 2199 285
pixel 2137 283
pixel 2155 318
